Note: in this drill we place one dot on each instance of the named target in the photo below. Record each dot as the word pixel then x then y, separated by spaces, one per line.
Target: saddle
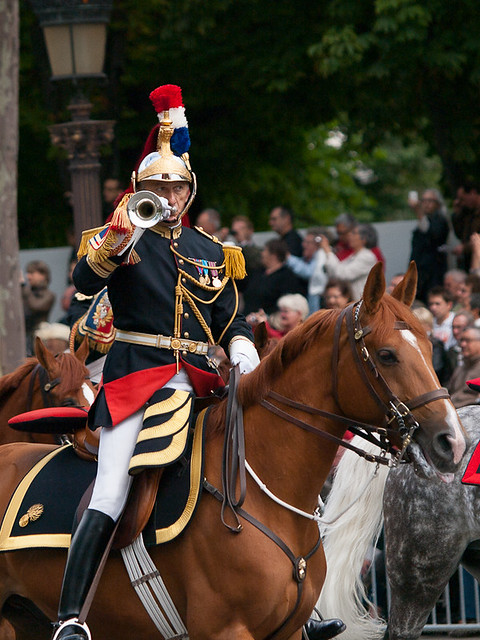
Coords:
pixel 161 510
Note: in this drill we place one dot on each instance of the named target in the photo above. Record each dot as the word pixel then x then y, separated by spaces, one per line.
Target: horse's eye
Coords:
pixel 387 356
pixel 69 402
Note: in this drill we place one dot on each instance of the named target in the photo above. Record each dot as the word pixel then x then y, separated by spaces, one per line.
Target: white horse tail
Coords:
pixel 351 524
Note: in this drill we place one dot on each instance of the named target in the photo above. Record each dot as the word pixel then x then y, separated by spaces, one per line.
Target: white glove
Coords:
pixel 243 353
pixel 108 243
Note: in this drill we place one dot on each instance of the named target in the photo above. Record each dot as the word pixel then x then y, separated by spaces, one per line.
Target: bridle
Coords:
pixel 394 409
pixel 46 385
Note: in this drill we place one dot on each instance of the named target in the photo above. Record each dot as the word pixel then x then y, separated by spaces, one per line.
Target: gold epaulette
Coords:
pixel 86 236
pixel 234 262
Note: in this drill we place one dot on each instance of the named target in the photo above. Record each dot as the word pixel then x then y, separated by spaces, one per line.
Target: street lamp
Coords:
pixel 75 36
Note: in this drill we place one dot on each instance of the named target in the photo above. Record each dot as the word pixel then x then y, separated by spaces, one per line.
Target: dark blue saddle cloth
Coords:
pixel 42 509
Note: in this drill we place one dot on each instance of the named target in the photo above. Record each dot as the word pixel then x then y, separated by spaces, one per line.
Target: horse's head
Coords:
pixel 68 381
pixel 395 354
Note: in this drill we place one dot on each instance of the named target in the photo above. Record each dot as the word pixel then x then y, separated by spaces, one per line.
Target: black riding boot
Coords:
pixel 86 550
pixel 323 629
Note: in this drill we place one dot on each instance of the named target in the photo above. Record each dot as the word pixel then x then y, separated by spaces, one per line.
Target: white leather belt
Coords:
pixel 162 342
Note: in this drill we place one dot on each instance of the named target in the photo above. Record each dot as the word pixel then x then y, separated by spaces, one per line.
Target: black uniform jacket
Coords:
pixel 147 297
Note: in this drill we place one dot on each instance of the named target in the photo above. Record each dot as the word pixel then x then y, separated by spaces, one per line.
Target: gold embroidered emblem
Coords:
pixel 33 513
pixel 103 313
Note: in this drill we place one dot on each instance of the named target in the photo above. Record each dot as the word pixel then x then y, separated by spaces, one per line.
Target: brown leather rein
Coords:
pixel 394 408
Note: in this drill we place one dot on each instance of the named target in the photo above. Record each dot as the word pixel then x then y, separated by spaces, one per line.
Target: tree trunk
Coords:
pixel 12 323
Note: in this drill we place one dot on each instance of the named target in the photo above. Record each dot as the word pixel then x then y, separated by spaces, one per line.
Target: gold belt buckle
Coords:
pixel 176 344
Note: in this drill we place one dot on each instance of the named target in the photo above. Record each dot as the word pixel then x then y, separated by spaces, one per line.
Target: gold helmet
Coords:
pixel 170 162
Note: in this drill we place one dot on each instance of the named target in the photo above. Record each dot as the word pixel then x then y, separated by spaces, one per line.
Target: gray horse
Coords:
pixel 431 525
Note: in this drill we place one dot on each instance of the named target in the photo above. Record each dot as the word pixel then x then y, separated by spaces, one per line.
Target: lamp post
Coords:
pixel 75 36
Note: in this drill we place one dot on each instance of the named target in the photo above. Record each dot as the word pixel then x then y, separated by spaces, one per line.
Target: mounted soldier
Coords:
pixel 173 293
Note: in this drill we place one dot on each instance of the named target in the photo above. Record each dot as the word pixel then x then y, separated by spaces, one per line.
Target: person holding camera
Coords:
pixel 355 268
pixel 311 266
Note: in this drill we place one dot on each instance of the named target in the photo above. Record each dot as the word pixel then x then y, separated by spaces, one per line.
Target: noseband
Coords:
pixel 394 409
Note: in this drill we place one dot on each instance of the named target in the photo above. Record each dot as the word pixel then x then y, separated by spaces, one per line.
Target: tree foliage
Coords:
pixel 262 82
pixel 408 67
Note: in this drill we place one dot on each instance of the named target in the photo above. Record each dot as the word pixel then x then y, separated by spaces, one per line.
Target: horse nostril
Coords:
pixel 443 445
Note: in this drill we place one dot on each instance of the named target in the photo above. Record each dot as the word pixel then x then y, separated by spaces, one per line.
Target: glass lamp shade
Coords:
pixel 76 50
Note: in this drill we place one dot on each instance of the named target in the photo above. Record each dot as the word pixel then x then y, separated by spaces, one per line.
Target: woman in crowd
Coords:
pixel 337 294
pixel 292 311
pixel 356 267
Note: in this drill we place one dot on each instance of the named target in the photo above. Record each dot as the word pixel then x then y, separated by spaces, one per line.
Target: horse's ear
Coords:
pixel 406 290
pixel 260 336
pixel 44 356
pixel 83 350
pixel 374 288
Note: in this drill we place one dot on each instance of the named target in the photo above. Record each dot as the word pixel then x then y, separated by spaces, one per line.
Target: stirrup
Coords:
pixel 83 630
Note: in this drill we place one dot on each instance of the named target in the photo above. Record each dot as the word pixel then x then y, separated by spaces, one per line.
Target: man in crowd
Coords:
pixel 111 190
pixel 38 299
pixel 465 221
pixel 453 280
pixel 428 242
pixel 461 321
pixel 344 223
pixel 460 392
pixel 281 221
pixel 274 281
pixel 440 303
pixel 209 220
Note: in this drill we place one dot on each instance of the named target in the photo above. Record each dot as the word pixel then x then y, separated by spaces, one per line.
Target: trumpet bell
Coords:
pixel 145 209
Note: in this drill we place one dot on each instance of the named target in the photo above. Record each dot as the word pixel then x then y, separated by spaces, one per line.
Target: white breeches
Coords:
pixel 116 447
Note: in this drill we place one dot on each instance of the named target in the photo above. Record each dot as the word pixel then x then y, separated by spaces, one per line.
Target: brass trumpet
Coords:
pixel 145 209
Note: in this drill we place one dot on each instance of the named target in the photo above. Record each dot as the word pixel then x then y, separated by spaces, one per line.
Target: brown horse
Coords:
pixel 368 363
pixel 43 381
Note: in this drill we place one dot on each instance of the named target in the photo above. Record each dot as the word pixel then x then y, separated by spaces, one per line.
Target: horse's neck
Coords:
pixel 293 462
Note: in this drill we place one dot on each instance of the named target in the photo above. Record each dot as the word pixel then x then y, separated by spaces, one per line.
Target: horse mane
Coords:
pixel 255 386
pixel 12 381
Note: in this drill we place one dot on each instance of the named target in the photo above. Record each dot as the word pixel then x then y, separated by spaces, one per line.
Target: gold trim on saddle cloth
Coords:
pixel 45 540
pixel 162 342
pixel 163 437
pixel 172 531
